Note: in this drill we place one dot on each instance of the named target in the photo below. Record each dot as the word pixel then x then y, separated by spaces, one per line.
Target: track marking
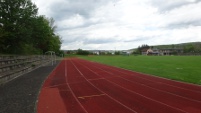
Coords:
pixel 161 90
pixel 102 78
pixel 148 97
pixel 83 97
pixel 96 79
pixel 104 92
pixel 72 90
pixel 137 93
pixel 153 82
pixel 76 82
pixel 153 76
pixel 64 90
pixel 147 85
pixel 54 86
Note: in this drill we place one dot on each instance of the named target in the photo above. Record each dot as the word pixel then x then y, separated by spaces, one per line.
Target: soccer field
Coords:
pixel 182 68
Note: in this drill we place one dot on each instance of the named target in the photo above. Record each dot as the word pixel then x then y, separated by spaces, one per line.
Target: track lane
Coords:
pixel 55 95
pixel 173 83
pixel 140 103
pixel 80 86
pixel 71 89
pixel 169 88
pixel 59 94
pixel 100 103
pixel 184 103
pixel 163 86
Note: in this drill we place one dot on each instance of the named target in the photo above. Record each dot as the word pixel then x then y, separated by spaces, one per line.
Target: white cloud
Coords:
pixel 74 21
pixel 183 16
pixel 123 24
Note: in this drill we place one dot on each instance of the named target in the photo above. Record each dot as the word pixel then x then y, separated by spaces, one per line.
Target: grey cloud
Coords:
pixel 168 5
pixel 100 41
pixel 85 25
pixel 62 10
pixel 70 40
pixel 177 16
pixel 137 39
pixel 83 38
pixel 183 24
pixel 87 41
pixel 141 38
pixel 72 28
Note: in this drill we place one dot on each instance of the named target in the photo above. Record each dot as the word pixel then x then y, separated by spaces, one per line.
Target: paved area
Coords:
pixel 20 95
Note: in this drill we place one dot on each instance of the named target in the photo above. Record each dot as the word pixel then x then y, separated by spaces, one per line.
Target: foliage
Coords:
pixel 60 53
pixel 22 31
pixel 142 48
pixel 82 52
pixel 117 52
pixel 186 48
pixel 191 47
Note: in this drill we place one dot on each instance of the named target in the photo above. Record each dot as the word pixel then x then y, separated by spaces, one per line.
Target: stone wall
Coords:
pixel 12 66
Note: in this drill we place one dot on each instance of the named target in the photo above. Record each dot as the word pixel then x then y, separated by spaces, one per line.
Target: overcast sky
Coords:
pixel 123 24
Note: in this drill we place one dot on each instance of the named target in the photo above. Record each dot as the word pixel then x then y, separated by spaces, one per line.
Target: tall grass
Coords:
pixel 182 68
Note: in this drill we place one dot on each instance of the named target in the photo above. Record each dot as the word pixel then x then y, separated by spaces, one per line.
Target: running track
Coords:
pixel 80 86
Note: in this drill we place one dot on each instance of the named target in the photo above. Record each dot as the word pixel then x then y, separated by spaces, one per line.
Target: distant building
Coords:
pixel 165 51
pixel 145 51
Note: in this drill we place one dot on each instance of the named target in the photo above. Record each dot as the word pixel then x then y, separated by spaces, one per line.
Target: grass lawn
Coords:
pixel 182 68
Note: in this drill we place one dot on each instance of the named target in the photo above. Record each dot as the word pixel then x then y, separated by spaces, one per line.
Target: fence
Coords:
pixel 14 66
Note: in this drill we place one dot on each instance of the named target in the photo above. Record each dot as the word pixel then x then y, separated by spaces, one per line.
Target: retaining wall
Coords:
pixel 14 66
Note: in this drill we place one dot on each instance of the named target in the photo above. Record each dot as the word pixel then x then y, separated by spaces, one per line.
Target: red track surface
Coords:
pixel 80 86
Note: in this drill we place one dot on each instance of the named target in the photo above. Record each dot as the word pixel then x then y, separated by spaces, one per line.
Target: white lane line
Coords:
pixel 71 89
pixel 152 80
pixel 141 94
pixel 54 86
pixel 104 92
pixel 159 83
pixel 163 91
pixel 83 97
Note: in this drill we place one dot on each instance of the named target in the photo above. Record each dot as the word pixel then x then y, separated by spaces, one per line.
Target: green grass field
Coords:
pixel 182 68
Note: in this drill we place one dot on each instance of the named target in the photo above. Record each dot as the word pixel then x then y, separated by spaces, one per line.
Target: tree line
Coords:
pixel 141 48
pixel 23 31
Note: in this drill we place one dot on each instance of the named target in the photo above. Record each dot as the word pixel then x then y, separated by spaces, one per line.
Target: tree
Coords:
pixel 15 19
pixel 43 35
pixel 117 52
pixel 82 52
pixel 23 31
pixel 143 47
pixel 2 39
pixel 189 48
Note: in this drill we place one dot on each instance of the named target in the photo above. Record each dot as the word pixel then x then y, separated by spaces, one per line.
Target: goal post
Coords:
pixel 52 56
